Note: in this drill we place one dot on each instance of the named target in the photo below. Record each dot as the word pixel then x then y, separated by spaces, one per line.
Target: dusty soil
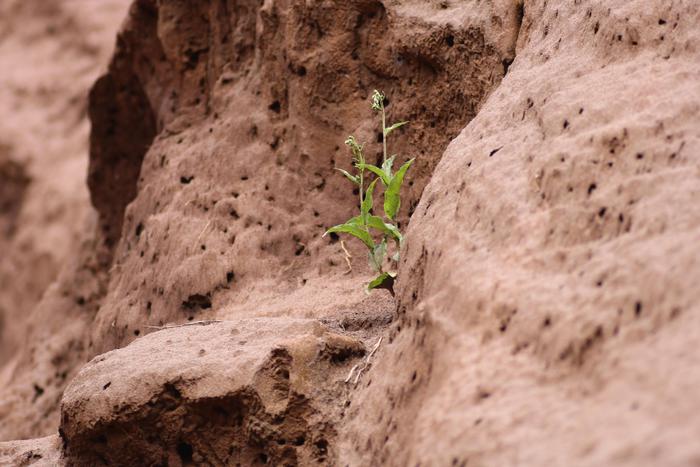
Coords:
pixel 178 305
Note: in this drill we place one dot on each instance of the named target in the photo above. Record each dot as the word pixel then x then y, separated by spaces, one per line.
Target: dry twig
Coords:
pixel 206 226
pixel 348 257
pixel 191 323
pixel 360 367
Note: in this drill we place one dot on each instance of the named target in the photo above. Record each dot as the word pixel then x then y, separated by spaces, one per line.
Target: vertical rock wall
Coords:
pixel 548 315
pixel 546 297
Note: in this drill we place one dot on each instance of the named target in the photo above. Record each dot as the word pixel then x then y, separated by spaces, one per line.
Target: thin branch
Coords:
pixel 352 370
pixel 360 367
pixel 348 257
pixel 191 323
pixel 206 226
pixel 376 346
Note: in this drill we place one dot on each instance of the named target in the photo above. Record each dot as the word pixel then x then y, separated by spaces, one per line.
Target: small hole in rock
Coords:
pixel 196 302
pixel 275 107
pixel 185 451
pixel 322 446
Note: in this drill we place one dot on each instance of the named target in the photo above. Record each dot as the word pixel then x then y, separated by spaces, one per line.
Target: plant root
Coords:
pixel 360 367
pixel 348 257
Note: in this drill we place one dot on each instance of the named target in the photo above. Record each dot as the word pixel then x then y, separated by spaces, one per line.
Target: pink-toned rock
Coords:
pixel 40 452
pixel 252 391
pixel 50 54
pixel 548 297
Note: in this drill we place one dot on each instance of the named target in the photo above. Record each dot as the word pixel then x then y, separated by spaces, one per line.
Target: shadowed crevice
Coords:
pixel 123 127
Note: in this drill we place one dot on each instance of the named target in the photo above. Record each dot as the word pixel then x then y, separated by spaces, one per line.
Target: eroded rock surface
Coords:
pixel 251 103
pixel 257 391
pixel 50 55
pixel 547 295
pixel 41 452
pixel 549 307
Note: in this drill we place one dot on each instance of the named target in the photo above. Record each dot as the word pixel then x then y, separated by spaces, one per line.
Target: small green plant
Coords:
pixel 377 233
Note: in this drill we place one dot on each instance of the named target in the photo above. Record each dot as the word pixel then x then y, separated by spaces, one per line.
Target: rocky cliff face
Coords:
pixel 50 55
pixel 545 304
pixel 552 259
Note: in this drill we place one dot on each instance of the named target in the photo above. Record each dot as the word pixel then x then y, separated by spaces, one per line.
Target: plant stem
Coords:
pixel 383 132
pixel 381 268
pixel 362 185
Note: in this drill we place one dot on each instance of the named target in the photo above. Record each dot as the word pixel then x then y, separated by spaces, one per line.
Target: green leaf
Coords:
pixel 393 127
pixel 353 178
pixel 392 195
pixel 375 170
pixel 386 167
pixel 357 220
pixel 383 281
pixel 354 230
pixel 376 256
pixel 378 223
pixel 368 202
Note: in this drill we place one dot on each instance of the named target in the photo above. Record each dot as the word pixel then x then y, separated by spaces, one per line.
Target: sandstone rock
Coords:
pixel 41 452
pixel 548 291
pixel 251 104
pixel 222 393
pixel 549 298
pixel 50 54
